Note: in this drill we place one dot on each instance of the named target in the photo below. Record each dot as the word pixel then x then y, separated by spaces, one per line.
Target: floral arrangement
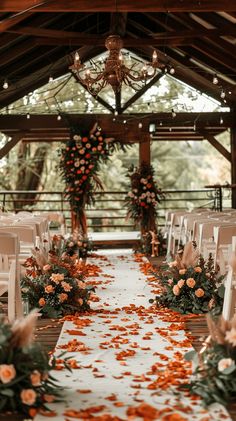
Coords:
pixel 54 283
pixel 26 384
pixel 215 373
pixel 190 284
pixel 143 197
pixel 74 244
pixel 79 164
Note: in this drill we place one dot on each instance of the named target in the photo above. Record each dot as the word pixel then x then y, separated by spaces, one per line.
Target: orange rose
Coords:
pixel 191 282
pixel 197 269
pixel 7 373
pixel 66 286
pixel 176 290
pixel 57 277
pixel 46 268
pixel 81 284
pixel 28 396
pixel 49 289
pixel 182 271
pixel 181 283
pixel 62 297
pixel 42 302
pixel 35 378
pixel 199 292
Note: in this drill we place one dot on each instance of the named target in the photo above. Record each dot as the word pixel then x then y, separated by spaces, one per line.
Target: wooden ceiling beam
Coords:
pixel 120 6
pixel 14 123
pixel 12 20
pixel 10 145
pixel 19 50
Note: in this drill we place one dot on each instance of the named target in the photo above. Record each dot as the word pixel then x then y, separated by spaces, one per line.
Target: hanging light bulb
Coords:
pixel 173 113
pixel 28 116
pixel 172 70
pixel 221 120
pixel 215 79
pixel 124 121
pixel 222 94
pixel 50 80
pixel 116 112
pixel 140 125
pixel 59 117
pixel 5 84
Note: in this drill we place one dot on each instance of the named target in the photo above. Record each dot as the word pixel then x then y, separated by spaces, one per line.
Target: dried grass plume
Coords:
pixel 23 330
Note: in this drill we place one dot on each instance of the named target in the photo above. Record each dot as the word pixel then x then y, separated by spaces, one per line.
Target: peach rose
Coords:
pixel 199 292
pixel 42 302
pixel 7 373
pixel 57 277
pixel 197 269
pixel 170 281
pixel 62 297
pixel 49 289
pixel 35 378
pixel 173 264
pixel 66 286
pixel 176 290
pixel 181 283
pixel 191 282
pixel 182 271
pixel 28 396
pixel 46 268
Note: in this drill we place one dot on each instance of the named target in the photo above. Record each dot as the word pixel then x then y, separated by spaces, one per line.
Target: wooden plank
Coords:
pixel 205 119
pixel 121 6
pixel 10 21
pixel 218 146
pixel 145 150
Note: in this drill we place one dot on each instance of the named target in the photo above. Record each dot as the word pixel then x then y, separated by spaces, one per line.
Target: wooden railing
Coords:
pixel 109 211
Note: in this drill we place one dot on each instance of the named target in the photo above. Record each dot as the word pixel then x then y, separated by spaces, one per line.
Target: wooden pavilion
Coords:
pixel 38 39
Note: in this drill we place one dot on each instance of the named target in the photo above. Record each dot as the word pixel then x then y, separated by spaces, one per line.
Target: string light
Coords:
pixel 5 84
pixel 50 79
pixel 124 121
pixel 59 117
pixel 140 125
pixel 116 112
pixel 28 116
pixel 222 94
pixel 215 80
pixel 221 120
pixel 172 71
pixel 173 113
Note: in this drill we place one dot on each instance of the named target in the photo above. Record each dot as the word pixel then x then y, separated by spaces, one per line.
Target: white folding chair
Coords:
pixel 223 239
pixel 10 274
pixel 230 286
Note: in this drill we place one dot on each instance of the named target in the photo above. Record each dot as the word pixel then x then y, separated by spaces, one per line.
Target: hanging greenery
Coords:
pixel 80 159
pixel 143 198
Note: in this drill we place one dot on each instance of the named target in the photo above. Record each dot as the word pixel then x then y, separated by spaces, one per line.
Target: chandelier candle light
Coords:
pixel 113 72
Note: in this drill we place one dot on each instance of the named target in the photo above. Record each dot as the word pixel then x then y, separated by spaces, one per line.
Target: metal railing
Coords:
pixel 109 210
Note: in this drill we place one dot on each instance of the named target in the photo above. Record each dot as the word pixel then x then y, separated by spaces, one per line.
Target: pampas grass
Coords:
pixel 23 330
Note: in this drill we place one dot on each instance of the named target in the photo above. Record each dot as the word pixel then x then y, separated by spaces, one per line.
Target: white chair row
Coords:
pixel 10 274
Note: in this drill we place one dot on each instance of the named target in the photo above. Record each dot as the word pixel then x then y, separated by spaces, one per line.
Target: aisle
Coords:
pixel 126 355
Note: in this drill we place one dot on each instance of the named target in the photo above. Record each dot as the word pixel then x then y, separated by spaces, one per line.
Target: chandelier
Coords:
pixel 113 70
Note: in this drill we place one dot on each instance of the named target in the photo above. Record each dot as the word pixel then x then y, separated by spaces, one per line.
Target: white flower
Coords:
pixel 142 180
pixel 76 137
pixel 231 336
pixel 130 194
pixel 148 193
pixel 153 194
pixel 225 363
pixel 135 191
pixel 82 161
pixel 88 145
pixel 77 164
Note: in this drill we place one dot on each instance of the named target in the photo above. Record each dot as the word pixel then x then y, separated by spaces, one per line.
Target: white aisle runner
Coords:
pixel 122 357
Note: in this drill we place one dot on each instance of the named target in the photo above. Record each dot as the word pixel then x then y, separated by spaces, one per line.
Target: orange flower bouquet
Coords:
pixel 26 384
pixel 190 284
pixel 54 284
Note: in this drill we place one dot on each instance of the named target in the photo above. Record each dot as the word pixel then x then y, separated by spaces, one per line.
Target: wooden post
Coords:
pixel 145 149
pixel 233 163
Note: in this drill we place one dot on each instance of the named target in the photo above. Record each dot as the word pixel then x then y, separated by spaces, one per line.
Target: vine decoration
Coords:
pixel 80 160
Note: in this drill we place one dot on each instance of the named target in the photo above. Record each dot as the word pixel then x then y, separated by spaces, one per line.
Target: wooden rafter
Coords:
pixel 144 89
pixel 218 146
pixel 121 6
pixel 10 21
pixel 97 98
pixel 9 145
